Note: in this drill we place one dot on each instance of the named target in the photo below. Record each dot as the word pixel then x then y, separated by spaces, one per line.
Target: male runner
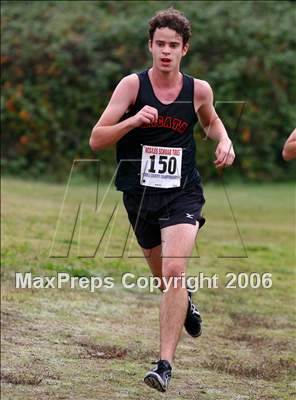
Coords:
pixel 151 116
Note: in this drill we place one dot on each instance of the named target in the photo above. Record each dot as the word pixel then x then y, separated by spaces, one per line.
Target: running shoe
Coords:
pixel 158 378
pixel 193 319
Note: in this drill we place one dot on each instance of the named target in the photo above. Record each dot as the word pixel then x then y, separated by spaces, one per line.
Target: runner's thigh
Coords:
pixel 178 241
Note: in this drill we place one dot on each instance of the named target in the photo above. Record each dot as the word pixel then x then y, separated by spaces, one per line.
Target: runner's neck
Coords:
pixel 162 81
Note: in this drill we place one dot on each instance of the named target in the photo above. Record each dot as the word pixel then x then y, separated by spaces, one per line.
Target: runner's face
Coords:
pixel 167 49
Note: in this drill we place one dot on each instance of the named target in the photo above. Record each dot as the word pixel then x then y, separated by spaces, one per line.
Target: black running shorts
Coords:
pixel 149 213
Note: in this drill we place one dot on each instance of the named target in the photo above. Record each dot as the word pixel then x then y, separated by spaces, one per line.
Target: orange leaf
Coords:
pixel 25 116
pixel 10 105
pixel 24 139
pixel 246 135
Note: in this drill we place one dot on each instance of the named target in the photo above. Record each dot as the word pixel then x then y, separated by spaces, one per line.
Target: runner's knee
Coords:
pixel 173 268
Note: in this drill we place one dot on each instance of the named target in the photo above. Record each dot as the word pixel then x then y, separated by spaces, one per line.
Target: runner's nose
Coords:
pixel 166 51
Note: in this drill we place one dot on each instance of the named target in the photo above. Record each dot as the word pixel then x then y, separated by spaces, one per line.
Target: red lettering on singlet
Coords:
pixel 175 124
pixel 160 121
pixel 183 127
pixel 168 122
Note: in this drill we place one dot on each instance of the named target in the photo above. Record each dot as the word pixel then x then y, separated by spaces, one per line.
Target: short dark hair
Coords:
pixel 173 19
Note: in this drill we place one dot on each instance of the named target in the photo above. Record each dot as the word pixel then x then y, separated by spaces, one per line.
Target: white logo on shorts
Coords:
pixel 189 216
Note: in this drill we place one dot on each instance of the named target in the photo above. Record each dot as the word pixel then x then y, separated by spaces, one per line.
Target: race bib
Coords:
pixel 161 166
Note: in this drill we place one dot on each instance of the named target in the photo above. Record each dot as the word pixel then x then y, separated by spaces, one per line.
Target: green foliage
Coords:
pixel 61 62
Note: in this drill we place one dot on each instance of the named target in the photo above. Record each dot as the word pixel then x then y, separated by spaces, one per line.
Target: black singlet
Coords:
pixel 174 128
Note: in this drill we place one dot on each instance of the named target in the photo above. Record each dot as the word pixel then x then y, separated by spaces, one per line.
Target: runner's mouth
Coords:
pixel 165 60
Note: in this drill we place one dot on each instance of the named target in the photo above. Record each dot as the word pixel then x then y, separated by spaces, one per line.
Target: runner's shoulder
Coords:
pixel 202 90
pixel 130 84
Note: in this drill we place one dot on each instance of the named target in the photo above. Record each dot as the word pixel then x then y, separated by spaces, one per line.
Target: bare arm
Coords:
pixel 289 150
pixel 108 130
pixel 212 125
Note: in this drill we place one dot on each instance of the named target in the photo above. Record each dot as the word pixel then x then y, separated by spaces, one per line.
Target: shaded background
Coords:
pixel 62 60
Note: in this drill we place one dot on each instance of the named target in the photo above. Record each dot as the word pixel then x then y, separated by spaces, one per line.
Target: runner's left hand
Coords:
pixel 224 154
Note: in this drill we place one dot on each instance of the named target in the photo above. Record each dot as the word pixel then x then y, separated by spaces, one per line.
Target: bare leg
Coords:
pixel 177 244
pixel 154 260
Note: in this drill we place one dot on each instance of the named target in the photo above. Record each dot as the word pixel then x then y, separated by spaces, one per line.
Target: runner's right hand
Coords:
pixel 147 115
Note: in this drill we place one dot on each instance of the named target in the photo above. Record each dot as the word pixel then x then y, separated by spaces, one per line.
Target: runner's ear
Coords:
pixel 150 45
pixel 185 49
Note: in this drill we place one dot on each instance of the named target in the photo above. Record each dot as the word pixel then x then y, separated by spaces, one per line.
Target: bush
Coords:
pixel 61 61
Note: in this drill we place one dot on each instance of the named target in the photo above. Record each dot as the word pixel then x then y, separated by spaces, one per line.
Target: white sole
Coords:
pixel 154 381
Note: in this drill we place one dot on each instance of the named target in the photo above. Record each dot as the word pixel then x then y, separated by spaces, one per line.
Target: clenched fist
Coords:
pixel 224 154
pixel 147 115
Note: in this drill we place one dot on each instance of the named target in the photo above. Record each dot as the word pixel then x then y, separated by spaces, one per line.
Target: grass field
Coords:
pixel 73 344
